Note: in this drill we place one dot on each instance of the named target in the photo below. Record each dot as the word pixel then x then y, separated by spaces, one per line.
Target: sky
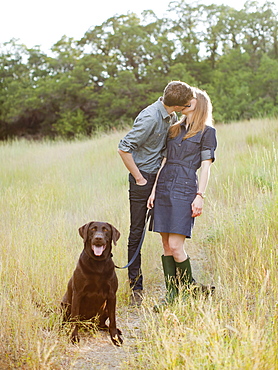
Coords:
pixel 44 23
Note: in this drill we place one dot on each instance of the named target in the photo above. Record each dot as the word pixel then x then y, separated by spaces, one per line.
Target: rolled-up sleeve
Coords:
pixel 209 144
pixel 138 135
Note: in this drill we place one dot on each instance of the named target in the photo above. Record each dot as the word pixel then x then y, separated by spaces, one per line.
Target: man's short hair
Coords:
pixel 177 93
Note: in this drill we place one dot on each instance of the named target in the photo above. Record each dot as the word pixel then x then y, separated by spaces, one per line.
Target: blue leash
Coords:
pixel 149 216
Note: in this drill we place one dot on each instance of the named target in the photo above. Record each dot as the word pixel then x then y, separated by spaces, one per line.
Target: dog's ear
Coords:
pixel 115 234
pixel 83 231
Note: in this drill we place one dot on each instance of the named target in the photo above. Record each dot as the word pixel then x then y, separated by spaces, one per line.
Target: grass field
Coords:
pixel 49 189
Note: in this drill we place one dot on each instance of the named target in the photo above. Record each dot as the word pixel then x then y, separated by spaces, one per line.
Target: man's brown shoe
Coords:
pixel 136 298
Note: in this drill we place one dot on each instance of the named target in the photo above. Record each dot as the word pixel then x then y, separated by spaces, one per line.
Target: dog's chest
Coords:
pixel 96 287
pixel 99 284
pixel 95 296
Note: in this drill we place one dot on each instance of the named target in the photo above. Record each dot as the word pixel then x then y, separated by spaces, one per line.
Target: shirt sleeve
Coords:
pixel 142 128
pixel 209 144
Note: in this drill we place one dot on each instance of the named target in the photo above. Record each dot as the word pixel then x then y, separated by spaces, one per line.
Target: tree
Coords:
pixel 260 29
pixel 265 88
pixel 119 67
pixel 230 87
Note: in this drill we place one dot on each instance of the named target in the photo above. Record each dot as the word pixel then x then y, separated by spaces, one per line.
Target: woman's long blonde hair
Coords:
pixel 201 117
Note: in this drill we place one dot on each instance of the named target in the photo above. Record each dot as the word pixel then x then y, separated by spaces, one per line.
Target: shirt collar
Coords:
pixel 162 109
pixel 184 123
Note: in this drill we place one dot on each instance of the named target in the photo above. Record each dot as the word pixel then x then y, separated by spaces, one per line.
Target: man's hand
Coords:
pixel 142 181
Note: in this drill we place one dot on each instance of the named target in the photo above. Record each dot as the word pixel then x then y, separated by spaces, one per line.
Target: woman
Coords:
pixel 177 195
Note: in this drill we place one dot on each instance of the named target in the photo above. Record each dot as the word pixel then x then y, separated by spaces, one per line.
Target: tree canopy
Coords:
pixel 117 68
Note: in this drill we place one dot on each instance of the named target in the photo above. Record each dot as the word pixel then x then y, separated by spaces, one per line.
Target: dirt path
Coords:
pixel 98 353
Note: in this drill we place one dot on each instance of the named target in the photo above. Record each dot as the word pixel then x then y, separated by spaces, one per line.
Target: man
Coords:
pixel 142 151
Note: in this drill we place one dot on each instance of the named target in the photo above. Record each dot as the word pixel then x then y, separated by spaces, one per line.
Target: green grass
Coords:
pixel 49 189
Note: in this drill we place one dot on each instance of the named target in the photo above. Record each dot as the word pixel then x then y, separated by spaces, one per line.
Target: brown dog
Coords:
pixel 92 289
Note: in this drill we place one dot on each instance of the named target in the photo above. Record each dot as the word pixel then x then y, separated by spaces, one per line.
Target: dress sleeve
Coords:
pixel 209 144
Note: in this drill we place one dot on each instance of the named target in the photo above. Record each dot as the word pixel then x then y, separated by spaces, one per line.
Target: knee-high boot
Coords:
pixel 184 274
pixel 187 282
pixel 169 268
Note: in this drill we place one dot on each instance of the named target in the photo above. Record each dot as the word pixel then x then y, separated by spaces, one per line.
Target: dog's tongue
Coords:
pixel 98 250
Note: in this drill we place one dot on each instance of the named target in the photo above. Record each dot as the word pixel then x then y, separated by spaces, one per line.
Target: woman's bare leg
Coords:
pixel 173 245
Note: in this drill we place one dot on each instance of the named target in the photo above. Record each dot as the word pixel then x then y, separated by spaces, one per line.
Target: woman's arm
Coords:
pixel 150 203
pixel 198 203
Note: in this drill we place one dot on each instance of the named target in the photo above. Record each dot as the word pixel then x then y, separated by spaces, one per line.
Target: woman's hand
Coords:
pixel 150 202
pixel 197 206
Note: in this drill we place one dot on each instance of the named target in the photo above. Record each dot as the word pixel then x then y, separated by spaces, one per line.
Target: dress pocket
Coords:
pixel 183 188
pixel 193 144
pixel 179 189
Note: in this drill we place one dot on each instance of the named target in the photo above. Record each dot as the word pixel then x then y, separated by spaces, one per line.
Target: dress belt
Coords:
pixel 182 163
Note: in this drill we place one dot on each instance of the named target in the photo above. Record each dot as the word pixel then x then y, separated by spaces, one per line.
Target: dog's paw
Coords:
pixel 117 339
pixel 74 339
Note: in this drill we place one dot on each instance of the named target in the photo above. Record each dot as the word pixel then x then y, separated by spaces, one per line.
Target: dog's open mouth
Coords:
pixel 98 249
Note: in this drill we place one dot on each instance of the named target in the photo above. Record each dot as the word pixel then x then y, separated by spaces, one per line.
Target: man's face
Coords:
pixel 184 109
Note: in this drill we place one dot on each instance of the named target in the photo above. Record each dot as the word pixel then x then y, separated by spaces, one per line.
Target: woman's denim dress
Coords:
pixel 178 183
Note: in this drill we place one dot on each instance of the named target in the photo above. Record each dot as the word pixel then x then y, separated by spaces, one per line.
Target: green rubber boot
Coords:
pixel 186 283
pixel 169 268
pixel 184 275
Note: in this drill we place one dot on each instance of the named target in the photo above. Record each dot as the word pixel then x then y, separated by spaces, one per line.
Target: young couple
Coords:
pixel 162 155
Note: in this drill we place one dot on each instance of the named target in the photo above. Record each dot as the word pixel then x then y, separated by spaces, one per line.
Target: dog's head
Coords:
pixel 98 237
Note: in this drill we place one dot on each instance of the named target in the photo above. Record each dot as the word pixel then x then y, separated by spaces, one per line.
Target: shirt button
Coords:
pixel 179 144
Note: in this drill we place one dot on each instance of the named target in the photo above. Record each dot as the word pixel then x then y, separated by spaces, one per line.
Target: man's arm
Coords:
pixel 132 168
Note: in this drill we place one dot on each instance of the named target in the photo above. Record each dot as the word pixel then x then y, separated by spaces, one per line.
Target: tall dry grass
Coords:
pixel 49 189
pixel 238 233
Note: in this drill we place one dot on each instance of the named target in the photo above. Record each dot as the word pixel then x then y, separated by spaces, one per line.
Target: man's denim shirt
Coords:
pixel 147 138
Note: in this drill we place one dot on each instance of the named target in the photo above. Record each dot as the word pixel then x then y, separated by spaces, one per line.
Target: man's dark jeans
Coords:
pixel 138 197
